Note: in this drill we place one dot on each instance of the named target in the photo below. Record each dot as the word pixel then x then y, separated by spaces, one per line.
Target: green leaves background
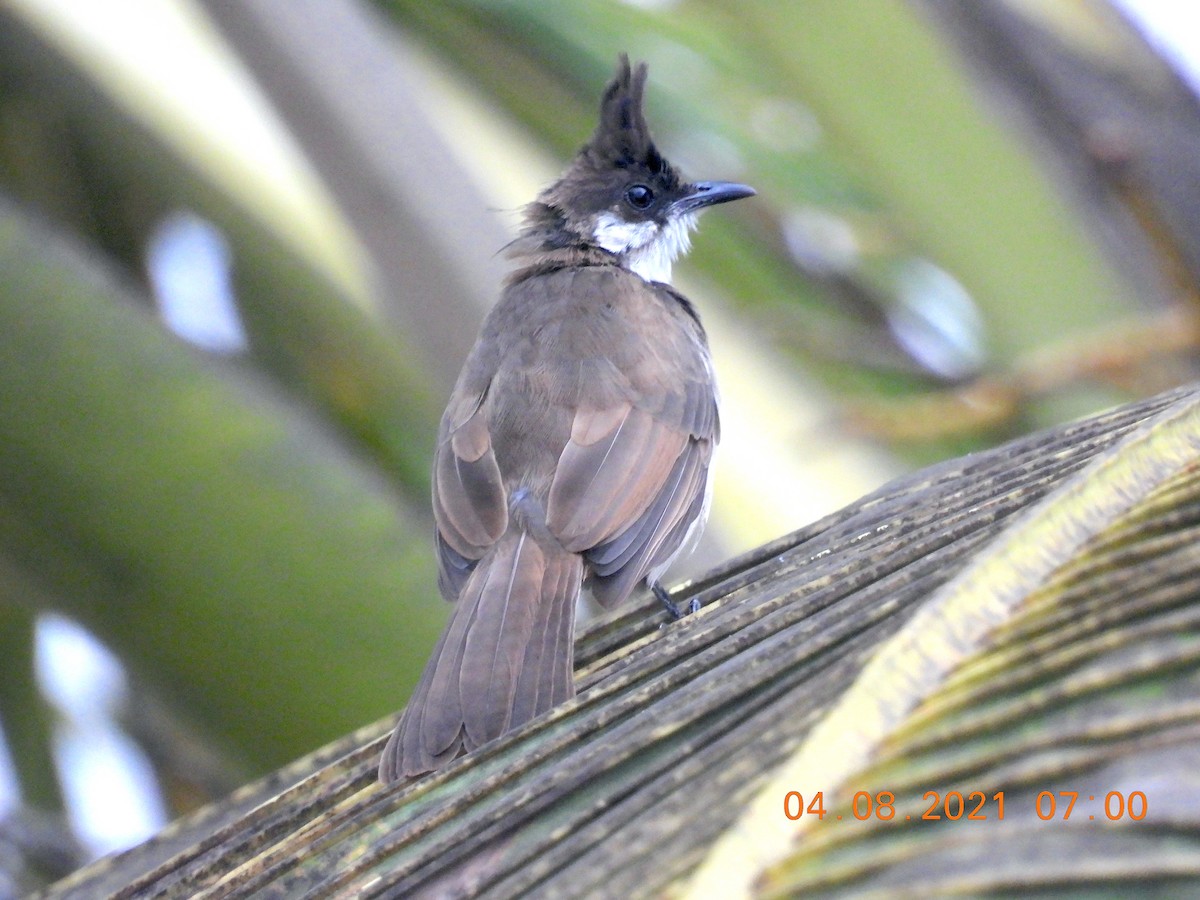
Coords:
pixel 250 533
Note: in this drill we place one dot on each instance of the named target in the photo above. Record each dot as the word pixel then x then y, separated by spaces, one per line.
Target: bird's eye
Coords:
pixel 639 196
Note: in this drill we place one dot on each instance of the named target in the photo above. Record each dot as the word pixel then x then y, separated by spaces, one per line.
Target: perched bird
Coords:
pixel 576 447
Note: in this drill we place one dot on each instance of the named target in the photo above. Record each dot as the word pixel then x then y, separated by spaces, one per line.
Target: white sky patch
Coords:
pixel 936 321
pixel 76 673
pixel 111 793
pixel 10 793
pixel 1172 27
pixel 189 263
pixel 820 241
pixel 112 797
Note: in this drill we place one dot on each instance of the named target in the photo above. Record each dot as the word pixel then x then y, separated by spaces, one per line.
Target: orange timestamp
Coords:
pixel 972 806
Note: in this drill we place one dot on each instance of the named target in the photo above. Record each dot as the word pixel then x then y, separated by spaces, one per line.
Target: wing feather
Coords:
pixel 602 486
pixel 469 500
pixel 653 539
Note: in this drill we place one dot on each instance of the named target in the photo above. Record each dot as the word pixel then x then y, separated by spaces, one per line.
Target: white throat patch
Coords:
pixel 644 247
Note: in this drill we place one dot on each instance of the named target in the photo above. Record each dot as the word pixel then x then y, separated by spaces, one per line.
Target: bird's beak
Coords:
pixel 710 193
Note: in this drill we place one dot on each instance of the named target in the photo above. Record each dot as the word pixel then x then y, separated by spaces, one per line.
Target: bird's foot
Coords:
pixel 660 592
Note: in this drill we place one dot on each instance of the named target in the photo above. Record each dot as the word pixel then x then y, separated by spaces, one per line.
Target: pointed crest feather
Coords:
pixel 623 135
pixel 621 141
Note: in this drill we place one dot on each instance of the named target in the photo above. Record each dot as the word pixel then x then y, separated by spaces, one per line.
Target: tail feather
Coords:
pixel 561 634
pixel 506 656
pixel 498 636
pixel 440 722
pixel 548 667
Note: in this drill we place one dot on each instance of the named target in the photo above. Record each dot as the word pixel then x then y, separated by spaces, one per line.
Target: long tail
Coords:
pixel 506 656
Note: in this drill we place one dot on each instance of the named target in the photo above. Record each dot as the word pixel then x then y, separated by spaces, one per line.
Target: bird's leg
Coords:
pixel 676 613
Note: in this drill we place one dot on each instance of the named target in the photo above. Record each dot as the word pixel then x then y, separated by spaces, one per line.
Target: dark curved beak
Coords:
pixel 710 193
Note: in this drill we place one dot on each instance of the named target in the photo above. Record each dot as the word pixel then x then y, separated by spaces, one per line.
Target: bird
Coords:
pixel 575 451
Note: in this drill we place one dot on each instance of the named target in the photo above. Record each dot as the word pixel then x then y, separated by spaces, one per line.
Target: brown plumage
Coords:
pixel 576 446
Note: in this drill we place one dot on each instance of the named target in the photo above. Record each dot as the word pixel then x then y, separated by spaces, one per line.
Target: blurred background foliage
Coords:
pixel 973 220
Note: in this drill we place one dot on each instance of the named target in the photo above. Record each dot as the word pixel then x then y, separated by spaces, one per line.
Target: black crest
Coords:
pixel 620 153
pixel 623 137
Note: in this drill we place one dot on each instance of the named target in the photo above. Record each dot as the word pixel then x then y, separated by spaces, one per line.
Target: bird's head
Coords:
pixel 620 194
